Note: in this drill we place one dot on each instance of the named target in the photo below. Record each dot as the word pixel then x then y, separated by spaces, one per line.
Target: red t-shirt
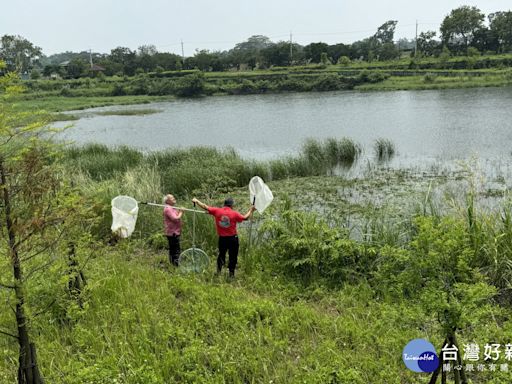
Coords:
pixel 225 220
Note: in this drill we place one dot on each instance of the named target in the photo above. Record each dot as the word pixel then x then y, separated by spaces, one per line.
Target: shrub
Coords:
pixel 306 248
pixel 191 85
pixel 430 78
pixel 376 77
pixel 344 60
pixel 328 83
pixel 118 90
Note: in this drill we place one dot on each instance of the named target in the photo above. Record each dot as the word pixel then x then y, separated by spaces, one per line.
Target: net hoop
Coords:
pixel 193 260
pixel 124 215
pixel 260 194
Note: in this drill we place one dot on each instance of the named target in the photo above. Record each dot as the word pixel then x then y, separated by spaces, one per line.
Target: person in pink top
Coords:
pixel 172 228
pixel 226 220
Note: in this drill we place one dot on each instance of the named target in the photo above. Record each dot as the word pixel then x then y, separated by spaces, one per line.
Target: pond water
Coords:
pixel 437 124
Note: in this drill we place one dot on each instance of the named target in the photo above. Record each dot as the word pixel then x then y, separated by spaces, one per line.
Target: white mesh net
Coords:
pixel 124 215
pixel 259 190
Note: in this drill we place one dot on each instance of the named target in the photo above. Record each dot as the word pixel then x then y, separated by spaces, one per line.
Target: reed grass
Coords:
pixel 185 171
pixel 384 149
pixel 101 162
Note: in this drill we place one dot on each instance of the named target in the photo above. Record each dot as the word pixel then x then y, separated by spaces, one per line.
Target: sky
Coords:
pixel 101 25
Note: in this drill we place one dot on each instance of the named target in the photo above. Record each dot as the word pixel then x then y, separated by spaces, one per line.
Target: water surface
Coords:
pixel 436 124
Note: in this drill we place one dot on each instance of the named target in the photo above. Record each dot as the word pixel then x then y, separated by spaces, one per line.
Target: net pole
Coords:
pixel 180 208
pixel 250 224
pixel 194 228
pixel 194 235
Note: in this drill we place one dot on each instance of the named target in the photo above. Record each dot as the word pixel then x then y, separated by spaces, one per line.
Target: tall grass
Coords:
pixel 343 152
pixel 384 149
pixel 313 315
pixel 101 162
pixel 331 153
pixel 187 171
pixel 144 323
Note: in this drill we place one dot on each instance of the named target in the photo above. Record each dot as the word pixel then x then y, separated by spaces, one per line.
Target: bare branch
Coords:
pixel 41 267
pixel 46 308
pixel 7 286
pixel 9 334
pixel 48 223
pixel 49 246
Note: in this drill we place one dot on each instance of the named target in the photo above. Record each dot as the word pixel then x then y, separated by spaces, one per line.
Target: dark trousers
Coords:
pixel 228 244
pixel 174 249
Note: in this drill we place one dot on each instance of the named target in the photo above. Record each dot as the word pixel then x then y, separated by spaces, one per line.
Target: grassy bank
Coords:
pixel 405 74
pixel 60 103
pixel 433 80
pixel 147 324
pixel 311 302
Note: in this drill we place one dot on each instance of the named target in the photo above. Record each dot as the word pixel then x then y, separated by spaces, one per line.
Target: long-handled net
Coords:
pixel 261 197
pixel 193 259
pixel 260 194
pixel 124 215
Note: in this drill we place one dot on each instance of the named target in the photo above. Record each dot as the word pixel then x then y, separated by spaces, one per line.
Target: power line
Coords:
pixel 289 36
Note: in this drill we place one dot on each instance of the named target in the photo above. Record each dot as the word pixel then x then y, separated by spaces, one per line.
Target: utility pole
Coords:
pixel 291 49
pixel 90 57
pixel 416 40
pixel 182 52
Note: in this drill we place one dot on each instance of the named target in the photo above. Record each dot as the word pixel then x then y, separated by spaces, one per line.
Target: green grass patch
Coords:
pixel 62 103
pixel 129 112
pixel 144 323
pixel 436 81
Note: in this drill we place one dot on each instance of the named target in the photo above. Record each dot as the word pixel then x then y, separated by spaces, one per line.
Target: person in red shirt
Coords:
pixel 226 220
pixel 172 228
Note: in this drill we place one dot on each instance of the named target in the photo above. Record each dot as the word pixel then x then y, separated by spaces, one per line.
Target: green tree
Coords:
pixel 388 51
pixel 444 56
pixel 249 51
pixel 360 50
pixel 148 49
pixel 37 211
pixel 382 41
pixel 209 61
pixel 461 25
pixel 500 25
pixel 76 68
pixel 146 58
pixel 18 53
pixel 167 60
pixel 35 74
pixel 191 85
pixel 427 44
pixel 254 43
pixel 49 69
pixel 277 54
pixel 125 58
pixel 324 59
pixel 313 52
pixel 386 32
pixel 344 60
pixel 336 51
pixel 14 159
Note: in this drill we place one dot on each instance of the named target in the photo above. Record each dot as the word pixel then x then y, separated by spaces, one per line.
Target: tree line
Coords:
pixel 462 32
